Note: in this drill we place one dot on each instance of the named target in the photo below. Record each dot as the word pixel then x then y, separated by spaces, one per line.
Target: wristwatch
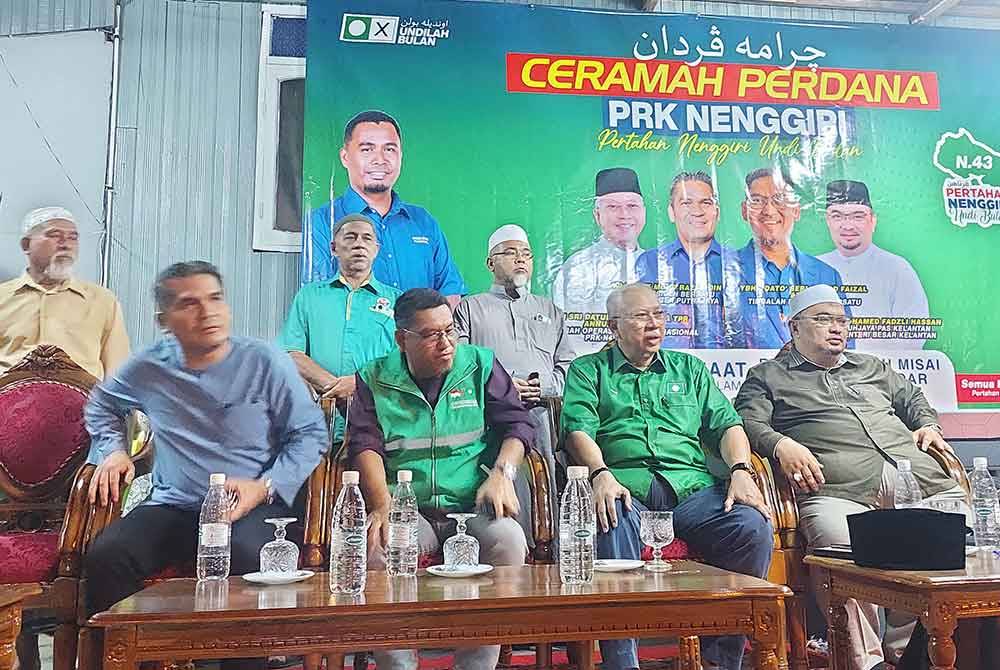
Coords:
pixel 741 466
pixel 506 469
pixel 269 485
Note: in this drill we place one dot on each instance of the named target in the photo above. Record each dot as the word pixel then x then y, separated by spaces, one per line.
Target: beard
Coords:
pixel 519 280
pixel 60 268
pixel 375 188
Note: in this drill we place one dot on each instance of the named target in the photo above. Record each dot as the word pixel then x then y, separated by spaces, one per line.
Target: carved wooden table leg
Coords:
pixel 543 655
pixel 119 648
pixel 10 627
pixel 796 612
pixel 312 661
pixel 940 625
pixel 581 654
pixel 334 662
pixel 840 644
pixel 769 636
pixel 689 653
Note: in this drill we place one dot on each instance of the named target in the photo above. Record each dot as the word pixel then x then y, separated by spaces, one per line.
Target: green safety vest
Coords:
pixel 443 446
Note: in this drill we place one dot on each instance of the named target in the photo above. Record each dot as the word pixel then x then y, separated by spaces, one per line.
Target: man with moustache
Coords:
pixel 894 289
pixel 413 251
pixel 637 416
pixel 771 265
pixel 707 314
pixel 586 279
pixel 445 411
pixel 837 422
pixel 48 305
pixel 337 326
pixel 217 403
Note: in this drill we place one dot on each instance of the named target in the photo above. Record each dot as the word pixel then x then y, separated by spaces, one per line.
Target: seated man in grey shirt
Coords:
pixel 836 422
pixel 216 403
pixel 524 330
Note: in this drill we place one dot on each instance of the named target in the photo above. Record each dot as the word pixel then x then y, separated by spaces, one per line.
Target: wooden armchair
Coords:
pixel 42 442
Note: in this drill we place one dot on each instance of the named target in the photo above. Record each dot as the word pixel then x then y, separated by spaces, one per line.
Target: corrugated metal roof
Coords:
pixel 29 17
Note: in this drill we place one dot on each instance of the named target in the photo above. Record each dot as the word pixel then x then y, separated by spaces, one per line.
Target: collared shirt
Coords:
pixel 525 332
pixel 83 319
pixel 894 290
pixel 651 421
pixel 249 416
pixel 701 297
pixel 841 415
pixel 505 414
pixel 767 289
pixel 582 286
pixel 414 252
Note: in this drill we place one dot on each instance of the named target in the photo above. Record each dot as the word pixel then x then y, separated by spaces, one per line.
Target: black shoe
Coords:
pixel 881 665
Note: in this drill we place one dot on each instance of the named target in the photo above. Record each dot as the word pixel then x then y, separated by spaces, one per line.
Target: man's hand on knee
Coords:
pixel 743 490
pixel 247 494
pixel 105 485
pixel 606 491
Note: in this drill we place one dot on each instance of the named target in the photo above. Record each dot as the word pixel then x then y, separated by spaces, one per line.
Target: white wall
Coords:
pixel 54 102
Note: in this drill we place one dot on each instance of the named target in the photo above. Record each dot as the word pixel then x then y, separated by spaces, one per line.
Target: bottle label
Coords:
pixel 354 539
pixel 399 535
pixel 582 533
pixel 214 535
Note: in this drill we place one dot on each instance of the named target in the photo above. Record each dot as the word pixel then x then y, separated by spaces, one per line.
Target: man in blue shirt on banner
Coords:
pixel 773 269
pixel 696 278
pixel 414 252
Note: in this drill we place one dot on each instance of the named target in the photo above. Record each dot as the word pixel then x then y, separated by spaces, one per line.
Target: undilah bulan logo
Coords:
pixel 393 30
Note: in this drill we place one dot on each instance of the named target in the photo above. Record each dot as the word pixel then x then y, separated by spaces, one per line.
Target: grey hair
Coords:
pixel 349 218
pixel 163 296
pixel 616 299
pixel 700 175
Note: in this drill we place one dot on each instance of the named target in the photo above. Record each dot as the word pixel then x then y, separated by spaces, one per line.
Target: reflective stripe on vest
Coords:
pixel 445 441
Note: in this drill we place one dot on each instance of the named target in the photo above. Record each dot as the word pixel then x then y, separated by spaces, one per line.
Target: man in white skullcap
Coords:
pixel 48 305
pixel 838 423
pixel 524 330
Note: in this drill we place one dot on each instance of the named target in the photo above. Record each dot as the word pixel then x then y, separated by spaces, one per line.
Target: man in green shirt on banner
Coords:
pixel 335 327
pixel 638 417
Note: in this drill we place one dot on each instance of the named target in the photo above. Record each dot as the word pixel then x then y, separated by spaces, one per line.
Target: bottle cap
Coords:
pixel 979 462
pixel 577 471
pixel 351 477
pixel 404 477
pixel 216 479
pixel 903 465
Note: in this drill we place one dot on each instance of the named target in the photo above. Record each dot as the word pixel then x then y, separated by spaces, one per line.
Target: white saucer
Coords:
pixel 449 571
pixel 616 564
pixel 276 578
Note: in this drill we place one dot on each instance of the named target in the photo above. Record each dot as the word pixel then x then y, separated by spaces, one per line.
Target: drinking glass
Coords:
pixel 657 530
pixel 279 555
pixel 461 550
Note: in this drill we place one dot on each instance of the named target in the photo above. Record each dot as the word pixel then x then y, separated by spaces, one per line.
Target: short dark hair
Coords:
pixel 163 296
pixel 370 116
pixel 771 172
pixel 413 301
pixel 700 175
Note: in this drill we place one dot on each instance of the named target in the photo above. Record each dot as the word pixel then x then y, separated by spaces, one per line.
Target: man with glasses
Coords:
pixel 772 267
pixel 894 289
pixel 836 422
pixel 639 417
pixel 705 315
pixel 582 285
pixel 450 414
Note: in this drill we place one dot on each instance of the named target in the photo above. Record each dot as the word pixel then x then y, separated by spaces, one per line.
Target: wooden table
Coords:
pixel 940 598
pixel 170 621
pixel 11 598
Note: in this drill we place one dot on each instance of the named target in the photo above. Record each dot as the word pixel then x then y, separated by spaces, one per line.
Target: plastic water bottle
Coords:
pixel 403 545
pixel 213 531
pixel 577 528
pixel 984 506
pixel 908 492
pixel 349 539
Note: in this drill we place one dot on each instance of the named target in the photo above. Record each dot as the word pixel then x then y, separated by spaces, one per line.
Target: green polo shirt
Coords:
pixel 340 328
pixel 648 421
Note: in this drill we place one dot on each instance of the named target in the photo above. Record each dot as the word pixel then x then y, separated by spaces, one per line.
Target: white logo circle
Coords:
pixel 675 388
pixel 356 28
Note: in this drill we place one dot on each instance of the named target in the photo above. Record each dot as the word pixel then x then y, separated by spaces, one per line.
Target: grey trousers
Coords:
pixel 823 521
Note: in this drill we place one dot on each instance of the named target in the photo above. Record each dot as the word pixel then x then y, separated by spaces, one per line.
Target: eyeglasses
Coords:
pixel 514 254
pixel 857 218
pixel 433 336
pixel 759 202
pixel 631 208
pixel 658 316
pixel 827 320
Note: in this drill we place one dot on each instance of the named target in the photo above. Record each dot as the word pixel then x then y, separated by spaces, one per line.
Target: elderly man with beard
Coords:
pixel 337 326
pixel 48 305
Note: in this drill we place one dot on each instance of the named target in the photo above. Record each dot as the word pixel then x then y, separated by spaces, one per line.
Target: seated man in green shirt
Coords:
pixel 837 422
pixel 637 416
pixel 337 326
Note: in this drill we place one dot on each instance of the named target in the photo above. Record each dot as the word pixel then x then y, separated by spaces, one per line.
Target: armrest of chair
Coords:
pixel 315 541
pixel 542 514
pixel 952 467
pixel 780 497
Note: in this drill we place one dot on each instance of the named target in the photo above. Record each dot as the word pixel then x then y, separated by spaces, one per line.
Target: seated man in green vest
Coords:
pixel 438 409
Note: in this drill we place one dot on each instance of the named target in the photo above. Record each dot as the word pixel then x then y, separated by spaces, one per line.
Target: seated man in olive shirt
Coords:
pixel 837 422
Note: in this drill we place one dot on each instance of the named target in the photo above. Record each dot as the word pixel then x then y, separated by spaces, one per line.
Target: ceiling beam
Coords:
pixel 932 9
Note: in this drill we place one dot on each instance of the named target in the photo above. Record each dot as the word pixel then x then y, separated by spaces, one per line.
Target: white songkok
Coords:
pixel 814 295
pixel 508 233
pixel 42 215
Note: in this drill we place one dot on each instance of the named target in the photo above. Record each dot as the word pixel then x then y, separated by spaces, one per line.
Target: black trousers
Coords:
pixel 153 537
